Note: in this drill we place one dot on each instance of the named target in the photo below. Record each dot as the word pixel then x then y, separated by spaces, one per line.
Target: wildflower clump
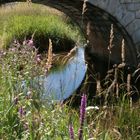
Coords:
pixel 82 115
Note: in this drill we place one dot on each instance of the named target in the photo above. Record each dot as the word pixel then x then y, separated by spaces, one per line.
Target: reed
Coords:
pixel 129 84
pixel 111 39
pixel 123 52
pixel 49 57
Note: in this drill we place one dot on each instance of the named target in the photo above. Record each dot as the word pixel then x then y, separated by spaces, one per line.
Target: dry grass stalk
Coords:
pixel 88 30
pixel 117 134
pixel 2 38
pixel 49 56
pixel 33 35
pixel 28 1
pixel 84 7
pixel 117 90
pixel 114 83
pixel 111 38
pixel 136 73
pixel 70 55
pixel 116 74
pixel 129 84
pixel 123 51
pixel 98 85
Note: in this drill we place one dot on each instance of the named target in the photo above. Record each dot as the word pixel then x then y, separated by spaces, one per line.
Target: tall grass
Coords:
pixel 24 115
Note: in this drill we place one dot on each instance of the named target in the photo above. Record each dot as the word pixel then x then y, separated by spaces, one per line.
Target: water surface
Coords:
pixel 60 84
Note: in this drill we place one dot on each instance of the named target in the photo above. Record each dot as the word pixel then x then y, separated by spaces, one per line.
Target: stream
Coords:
pixel 60 84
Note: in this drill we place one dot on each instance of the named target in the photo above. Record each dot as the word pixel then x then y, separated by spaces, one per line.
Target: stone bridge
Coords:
pixel 95 20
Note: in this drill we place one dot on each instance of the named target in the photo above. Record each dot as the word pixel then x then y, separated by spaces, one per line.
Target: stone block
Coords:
pixel 103 4
pixel 127 18
pixel 94 2
pixel 125 1
pixel 132 6
pixel 129 1
pixel 120 12
pixel 113 6
pixel 136 36
pixel 138 14
pixel 133 26
pixel 136 1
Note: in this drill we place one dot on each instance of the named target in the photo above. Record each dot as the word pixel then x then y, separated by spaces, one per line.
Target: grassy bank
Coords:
pixel 20 21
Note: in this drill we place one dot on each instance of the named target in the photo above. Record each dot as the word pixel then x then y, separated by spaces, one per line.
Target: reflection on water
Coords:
pixel 59 85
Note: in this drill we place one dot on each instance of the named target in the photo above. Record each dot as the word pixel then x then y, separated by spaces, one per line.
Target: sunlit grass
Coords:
pixel 24 20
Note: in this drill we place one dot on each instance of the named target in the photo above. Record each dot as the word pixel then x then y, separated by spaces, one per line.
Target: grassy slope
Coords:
pixel 23 20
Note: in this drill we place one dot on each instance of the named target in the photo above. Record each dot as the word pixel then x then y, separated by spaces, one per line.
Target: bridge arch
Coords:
pixel 98 17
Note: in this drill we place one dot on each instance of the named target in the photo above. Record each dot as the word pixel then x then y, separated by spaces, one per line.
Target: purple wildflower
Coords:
pixel 71 132
pixel 30 43
pixel 21 112
pixel 82 115
pixel 38 58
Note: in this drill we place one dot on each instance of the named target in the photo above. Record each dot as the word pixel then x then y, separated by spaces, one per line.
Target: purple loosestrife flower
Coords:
pixel 30 43
pixel 21 112
pixel 82 115
pixel 38 58
pixel 71 132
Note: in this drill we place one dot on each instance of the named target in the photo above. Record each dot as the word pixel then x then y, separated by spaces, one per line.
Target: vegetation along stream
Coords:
pixel 60 83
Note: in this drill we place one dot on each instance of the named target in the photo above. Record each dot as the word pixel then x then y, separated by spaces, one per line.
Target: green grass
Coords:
pixel 24 20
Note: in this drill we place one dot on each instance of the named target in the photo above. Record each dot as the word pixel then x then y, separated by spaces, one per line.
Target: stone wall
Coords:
pixel 127 12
